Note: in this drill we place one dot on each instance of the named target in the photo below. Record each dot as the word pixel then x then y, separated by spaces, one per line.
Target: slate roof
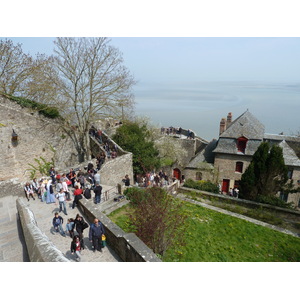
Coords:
pixel 206 155
pixel 289 155
pixel 245 125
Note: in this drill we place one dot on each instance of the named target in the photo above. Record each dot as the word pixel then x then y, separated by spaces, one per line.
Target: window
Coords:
pixel 198 176
pixel 290 174
pixel 239 167
pixel 284 196
pixel 241 144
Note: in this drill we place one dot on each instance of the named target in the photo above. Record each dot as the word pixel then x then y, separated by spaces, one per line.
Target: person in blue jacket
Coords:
pixel 95 235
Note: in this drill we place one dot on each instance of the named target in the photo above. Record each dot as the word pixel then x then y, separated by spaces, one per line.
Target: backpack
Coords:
pixel 87 193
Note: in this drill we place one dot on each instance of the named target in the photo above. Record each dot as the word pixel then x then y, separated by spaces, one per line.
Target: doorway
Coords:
pixel 177 174
pixel 225 186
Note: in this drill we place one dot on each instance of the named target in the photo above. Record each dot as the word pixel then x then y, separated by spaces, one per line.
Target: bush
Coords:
pixel 202 185
pixel 273 200
pixel 47 111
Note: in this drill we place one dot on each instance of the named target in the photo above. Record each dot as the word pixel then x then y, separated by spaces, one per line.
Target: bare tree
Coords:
pixel 24 76
pixel 14 68
pixel 94 84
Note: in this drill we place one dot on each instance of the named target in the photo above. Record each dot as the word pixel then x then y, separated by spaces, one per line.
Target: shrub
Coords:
pixel 273 200
pixel 202 185
pixel 47 111
pixel 157 217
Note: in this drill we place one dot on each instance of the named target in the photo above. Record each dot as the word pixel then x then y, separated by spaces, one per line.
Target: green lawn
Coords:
pixel 215 237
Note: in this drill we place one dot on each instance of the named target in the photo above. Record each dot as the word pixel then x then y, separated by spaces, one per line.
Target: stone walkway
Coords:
pixel 44 214
pixel 12 243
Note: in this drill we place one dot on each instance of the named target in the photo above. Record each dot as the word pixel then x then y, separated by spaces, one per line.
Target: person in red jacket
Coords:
pixel 77 196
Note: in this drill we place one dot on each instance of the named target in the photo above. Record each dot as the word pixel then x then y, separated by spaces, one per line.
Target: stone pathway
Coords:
pixel 12 245
pixel 44 214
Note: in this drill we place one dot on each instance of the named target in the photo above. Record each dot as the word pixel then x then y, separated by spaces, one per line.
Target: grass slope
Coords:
pixel 214 237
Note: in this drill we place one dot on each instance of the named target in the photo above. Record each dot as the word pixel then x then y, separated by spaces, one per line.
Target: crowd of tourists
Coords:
pixel 71 186
pixel 177 131
pixel 150 179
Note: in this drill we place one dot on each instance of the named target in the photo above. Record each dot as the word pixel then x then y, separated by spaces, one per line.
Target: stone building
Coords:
pixel 238 141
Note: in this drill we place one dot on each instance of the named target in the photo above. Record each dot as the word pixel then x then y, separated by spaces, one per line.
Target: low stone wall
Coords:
pixel 127 245
pixel 39 247
pixel 294 214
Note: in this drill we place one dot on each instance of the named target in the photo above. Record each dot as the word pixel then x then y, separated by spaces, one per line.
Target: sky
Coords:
pixel 193 82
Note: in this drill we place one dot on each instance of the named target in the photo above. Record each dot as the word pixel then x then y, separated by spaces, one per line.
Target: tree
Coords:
pixel 135 138
pixel 157 217
pixel 266 174
pixel 25 76
pixel 94 84
pixel 171 151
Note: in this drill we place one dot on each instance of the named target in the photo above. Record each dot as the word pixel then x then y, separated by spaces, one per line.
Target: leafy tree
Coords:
pixel 157 217
pixel 135 138
pixel 266 174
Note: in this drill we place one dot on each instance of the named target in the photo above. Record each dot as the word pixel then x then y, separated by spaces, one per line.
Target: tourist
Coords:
pixel 52 174
pixel 58 186
pixel 126 180
pixel 80 225
pixel 50 194
pixel 43 188
pixel 65 188
pixel 35 185
pixel 95 235
pixel 97 177
pixel 70 227
pixel 77 196
pixel 61 197
pixel 29 192
pixel 57 224
pixel 72 176
pixel 87 192
pixel 76 247
pixel 98 191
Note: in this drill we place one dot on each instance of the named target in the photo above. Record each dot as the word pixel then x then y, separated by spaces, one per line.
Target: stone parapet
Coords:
pixel 39 247
pixel 127 245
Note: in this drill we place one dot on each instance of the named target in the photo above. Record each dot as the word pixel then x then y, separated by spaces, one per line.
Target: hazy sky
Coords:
pixel 194 82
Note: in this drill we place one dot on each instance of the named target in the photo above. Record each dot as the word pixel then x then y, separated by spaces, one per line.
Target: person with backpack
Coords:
pixel 87 193
pixel 80 225
pixel 95 235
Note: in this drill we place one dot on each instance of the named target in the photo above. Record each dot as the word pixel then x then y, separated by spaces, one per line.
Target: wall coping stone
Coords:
pixel 127 245
pixel 40 248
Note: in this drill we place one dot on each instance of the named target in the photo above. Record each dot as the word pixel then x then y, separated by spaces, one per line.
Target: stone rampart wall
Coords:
pixel 39 247
pixel 37 137
pixel 127 245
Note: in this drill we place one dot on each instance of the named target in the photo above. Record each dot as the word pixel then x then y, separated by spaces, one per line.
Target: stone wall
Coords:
pixel 39 247
pixel 37 137
pixel 127 245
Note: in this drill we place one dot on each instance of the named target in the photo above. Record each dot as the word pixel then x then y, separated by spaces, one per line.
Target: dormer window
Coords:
pixel 241 144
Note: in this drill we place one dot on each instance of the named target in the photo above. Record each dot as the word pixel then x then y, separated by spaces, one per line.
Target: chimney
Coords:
pixel 222 126
pixel 229 119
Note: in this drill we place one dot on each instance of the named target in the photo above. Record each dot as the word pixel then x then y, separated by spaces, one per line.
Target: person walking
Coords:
pixel 57 224
pixel 95 235
pixel 80 225
pixel 98 191
pixel 76 247
pixel 61 197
